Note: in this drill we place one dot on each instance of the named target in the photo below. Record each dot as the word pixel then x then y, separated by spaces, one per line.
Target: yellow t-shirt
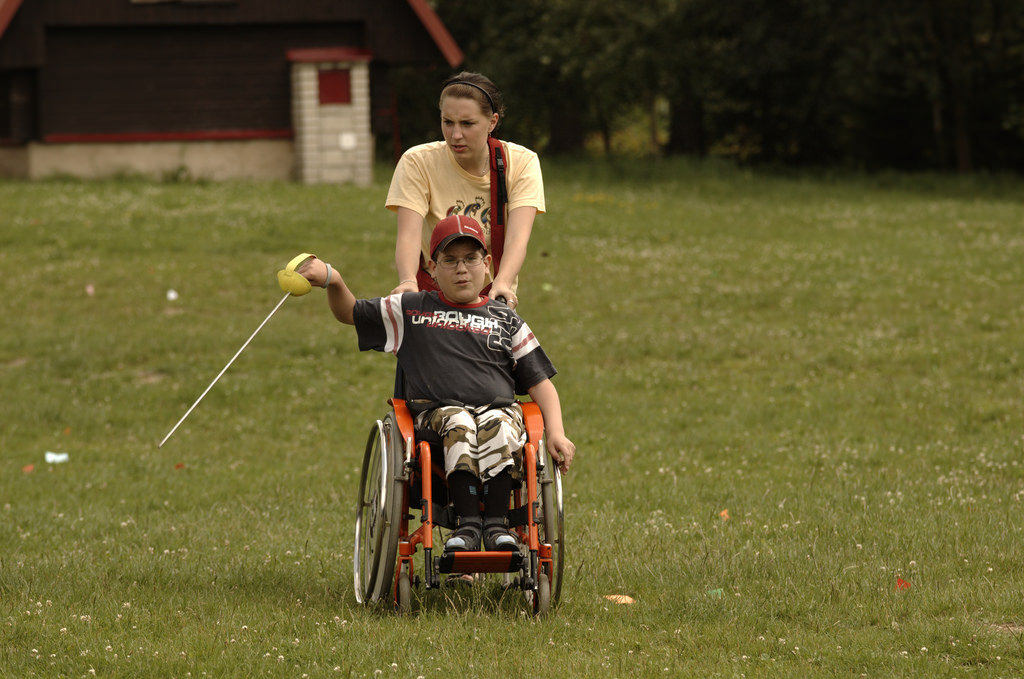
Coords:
pixel 429 181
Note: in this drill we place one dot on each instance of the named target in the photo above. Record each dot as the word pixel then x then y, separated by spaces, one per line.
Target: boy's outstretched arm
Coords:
pixel 561 448
pixel 339 297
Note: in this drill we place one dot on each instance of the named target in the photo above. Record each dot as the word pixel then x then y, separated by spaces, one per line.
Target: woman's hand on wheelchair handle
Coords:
pixel 406 286
pixel 503 293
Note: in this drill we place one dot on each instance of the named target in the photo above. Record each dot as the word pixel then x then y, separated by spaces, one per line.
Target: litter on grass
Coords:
pixel 620 598
pixel 56 458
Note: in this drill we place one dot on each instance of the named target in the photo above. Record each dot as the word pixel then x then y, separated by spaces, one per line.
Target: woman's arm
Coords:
pixel 408 245
pixel 517 237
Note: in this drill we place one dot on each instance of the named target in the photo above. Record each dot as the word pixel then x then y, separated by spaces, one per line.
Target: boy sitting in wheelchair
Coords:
pixel 464 358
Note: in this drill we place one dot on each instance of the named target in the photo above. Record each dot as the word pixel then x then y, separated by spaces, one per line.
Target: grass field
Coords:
pixel 797 403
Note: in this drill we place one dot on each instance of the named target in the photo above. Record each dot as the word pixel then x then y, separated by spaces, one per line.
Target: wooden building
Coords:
pixel 268 89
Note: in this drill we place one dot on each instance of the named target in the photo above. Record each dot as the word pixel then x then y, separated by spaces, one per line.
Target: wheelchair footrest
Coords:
pixel 481 562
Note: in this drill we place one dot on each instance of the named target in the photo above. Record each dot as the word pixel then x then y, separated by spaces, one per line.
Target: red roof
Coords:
pixel 7 10
pixel 442 38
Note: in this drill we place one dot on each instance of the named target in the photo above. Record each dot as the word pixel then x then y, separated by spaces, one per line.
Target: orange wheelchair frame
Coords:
pixel 399 474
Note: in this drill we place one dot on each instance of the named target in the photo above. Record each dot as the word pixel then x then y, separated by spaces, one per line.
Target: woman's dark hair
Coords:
pixel 477 87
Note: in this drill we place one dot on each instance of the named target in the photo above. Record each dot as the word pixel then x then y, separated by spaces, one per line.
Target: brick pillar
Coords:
pixel 331 115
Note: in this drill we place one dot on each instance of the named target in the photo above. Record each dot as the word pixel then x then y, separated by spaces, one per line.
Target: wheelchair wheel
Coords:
pixel 403 601
pixel 378 513
pixel 542 597
pixel 552 530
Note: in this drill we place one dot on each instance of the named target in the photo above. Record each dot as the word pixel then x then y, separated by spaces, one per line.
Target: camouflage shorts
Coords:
pixel 483 442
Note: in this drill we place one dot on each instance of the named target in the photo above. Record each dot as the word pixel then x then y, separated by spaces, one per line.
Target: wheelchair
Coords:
pixel 403 473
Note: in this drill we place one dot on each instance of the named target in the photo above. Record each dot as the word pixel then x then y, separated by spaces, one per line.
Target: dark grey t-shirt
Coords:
pixel 470 353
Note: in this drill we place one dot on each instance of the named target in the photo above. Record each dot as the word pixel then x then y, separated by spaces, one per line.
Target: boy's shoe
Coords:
pixel 498 538
pixel 466 537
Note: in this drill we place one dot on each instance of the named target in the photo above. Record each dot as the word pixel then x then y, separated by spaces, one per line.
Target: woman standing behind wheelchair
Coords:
pixel 438 179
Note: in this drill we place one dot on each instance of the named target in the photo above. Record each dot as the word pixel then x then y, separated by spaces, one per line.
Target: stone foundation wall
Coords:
pixel 269 160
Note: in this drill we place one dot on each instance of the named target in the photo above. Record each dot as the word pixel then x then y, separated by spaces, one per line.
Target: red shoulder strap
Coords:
pixel 499 200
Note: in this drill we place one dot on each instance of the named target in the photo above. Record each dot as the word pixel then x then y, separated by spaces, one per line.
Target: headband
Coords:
pixel 466 82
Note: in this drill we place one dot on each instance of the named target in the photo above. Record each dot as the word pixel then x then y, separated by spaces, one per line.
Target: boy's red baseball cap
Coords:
pixel 455 226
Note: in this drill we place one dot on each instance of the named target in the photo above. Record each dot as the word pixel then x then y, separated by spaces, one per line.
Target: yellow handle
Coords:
pixel 291 280
pixel 299 260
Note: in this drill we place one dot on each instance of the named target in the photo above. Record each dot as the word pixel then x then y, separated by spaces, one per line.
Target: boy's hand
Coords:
pixel 562 450
pixel 314 271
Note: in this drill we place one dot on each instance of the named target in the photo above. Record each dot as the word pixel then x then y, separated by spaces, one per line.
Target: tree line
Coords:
pixel 905 84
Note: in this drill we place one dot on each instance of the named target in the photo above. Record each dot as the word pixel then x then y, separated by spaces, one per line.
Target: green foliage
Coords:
pixel 790 394
pixel 903 84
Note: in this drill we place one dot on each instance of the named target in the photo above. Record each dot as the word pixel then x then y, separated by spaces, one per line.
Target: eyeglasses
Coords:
pixel 471 261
